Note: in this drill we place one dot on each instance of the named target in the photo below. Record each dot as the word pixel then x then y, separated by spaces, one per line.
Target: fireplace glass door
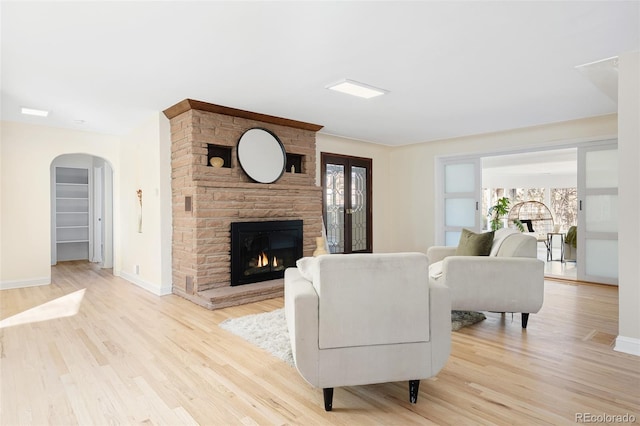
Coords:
pixel 261 251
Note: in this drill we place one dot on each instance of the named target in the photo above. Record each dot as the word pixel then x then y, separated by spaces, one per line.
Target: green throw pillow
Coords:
pixel 472 244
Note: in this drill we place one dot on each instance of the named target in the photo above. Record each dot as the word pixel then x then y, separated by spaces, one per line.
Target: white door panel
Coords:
pixel 597 251
pixel 460 194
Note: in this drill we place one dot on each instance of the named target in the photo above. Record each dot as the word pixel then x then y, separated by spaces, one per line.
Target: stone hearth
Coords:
pixel 206 199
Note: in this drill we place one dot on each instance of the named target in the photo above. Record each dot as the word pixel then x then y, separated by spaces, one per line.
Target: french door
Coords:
pixel 346 199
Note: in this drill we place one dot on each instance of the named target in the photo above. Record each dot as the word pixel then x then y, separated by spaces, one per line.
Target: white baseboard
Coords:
pixel 628 345
pixel 7 285
pixel 152 288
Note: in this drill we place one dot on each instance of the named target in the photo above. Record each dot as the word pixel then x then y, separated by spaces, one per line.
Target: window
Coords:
pixel 562 202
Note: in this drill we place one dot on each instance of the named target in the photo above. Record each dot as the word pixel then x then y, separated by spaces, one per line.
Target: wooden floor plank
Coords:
pixel 129 357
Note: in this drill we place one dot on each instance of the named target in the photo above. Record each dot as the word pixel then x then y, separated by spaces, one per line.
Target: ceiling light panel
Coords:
pixel 36 112
pixel 356 88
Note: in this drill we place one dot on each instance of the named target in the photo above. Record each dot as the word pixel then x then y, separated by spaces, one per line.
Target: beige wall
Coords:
pixel 139 160
pixel 144 158
pixel 414 179
pixel 629 196
pixel 383 208
pixel 25 210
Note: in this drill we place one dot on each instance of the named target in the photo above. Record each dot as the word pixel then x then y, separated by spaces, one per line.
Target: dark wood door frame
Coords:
pixel 348 162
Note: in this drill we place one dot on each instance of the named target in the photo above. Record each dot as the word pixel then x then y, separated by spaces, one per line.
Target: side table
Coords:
pixel 549 245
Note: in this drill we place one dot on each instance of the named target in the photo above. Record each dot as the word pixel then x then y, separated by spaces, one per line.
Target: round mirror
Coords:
pixel 261 155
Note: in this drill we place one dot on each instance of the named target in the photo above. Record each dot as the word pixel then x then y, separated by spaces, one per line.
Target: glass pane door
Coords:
pixel 347 203
pixel 461 190
pixel 597 245
pixel 334 207
pixel 358 208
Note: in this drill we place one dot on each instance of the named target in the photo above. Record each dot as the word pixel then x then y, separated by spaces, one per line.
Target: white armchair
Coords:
pixel 510 279
pixel 358 319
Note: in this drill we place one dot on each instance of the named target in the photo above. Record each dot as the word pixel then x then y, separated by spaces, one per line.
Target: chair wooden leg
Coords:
pixel 413 390
pixel 525 320
pixel 328 398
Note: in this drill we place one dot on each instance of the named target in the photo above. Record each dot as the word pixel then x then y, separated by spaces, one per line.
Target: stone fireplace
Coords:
pixel 209 195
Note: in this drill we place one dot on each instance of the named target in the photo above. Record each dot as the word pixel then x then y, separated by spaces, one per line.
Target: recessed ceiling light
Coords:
pixel 356 88
pixel 37 112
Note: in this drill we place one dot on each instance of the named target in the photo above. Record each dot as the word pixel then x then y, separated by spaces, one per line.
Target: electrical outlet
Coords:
pixel 137 269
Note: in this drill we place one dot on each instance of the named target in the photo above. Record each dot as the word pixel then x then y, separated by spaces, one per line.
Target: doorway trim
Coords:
pixel 348 162
pixel 441 161
pixel 93 163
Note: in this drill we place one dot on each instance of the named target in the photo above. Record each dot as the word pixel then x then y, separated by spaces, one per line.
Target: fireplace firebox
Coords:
pixel 261 251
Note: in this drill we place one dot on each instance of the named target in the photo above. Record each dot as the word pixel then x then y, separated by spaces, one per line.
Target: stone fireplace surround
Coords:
pixel 206 200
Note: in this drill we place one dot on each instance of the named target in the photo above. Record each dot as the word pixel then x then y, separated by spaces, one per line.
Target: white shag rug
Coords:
pixel 269 330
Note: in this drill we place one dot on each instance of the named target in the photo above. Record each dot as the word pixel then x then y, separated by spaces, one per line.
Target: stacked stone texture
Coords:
pixel 201 237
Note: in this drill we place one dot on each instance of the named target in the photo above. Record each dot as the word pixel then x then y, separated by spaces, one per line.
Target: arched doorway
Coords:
pixel 82 209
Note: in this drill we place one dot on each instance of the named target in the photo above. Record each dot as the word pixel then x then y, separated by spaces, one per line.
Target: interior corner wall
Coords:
pixel 414 182
pixel 629 202
pixel 144 254
pixel 383 209
pixel 166 215
pixel 26 154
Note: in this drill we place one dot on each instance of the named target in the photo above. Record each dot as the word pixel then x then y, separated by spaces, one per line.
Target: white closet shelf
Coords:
pixel 72 213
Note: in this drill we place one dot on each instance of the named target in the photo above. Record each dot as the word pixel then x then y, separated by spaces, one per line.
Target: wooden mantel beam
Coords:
pixel 188 104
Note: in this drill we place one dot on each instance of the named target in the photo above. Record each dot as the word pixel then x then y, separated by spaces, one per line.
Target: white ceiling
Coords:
pixel 451 68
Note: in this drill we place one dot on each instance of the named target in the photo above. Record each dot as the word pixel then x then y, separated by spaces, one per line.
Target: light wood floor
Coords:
pixel 129 357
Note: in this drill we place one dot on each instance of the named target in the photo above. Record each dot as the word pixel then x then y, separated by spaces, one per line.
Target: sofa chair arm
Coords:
pixel 438 253
pixel 440 322
pixel 500 284
pixel 301 313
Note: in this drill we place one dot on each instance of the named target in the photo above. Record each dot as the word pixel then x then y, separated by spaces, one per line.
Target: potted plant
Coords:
pixel 499 211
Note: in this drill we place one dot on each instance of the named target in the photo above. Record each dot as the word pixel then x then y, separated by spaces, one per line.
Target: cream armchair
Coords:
pixel 358 319
pixel 570 243
pixel 510 279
